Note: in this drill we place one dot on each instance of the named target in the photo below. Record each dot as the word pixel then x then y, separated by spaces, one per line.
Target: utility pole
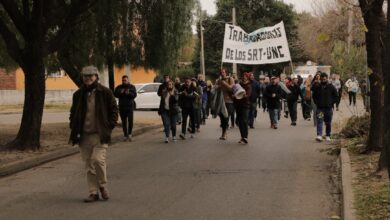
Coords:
pixel 234 23
pixel 202 65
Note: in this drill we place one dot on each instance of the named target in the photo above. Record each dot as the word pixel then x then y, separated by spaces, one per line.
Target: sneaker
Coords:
pixel 182 136
pixel 166 140
pixel 174 139
pixel 327 138
pixel 92 198
pixel 104 193
pixel 319 138
pixel 223 137
pixel 308 119
pixel 275 126
pixel 294 123
pixel 130 138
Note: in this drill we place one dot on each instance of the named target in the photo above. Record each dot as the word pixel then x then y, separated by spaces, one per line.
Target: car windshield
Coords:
pixel 138 86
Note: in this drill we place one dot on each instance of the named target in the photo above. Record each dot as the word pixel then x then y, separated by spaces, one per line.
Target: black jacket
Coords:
pixel 106 113
pixel 187 97
pixel 126 94
pixel 295 93
pixel 273 102
pixel 324 96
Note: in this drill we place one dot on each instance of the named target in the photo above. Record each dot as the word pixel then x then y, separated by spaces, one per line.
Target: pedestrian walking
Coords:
pixel 186 101
pixel 243 106
pixel 337 84
pixel 204 98
pixel 209 90
pixel 273 93
pixel 169 110
pixel 316 81
pixel 198 91
pixel 93 115
pixel 126 93
pixel 307 102
pixel 178 86
pixel 292 100
pixel 324 96
pixel 254 95
pixel 226 83
pixel 353 87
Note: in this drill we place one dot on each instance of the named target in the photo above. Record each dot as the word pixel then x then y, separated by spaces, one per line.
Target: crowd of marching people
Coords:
pixel 234 100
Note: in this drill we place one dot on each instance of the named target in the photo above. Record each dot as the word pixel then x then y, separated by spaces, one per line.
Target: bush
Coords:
pixel 356 127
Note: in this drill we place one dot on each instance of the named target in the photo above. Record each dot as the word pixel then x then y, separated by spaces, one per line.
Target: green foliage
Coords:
pixel 250 15
pixel 348 63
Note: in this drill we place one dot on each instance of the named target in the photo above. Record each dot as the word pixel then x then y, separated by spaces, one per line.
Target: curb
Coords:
pixel 18 166
pixel 346 179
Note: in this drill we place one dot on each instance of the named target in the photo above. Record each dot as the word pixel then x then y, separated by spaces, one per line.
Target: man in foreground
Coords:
pixel 93 115
pixel 324 96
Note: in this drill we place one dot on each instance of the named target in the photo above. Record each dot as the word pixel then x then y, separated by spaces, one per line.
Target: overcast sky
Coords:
pixel 300 5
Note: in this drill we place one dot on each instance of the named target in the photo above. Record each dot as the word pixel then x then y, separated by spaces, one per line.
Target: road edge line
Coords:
pixel 346 179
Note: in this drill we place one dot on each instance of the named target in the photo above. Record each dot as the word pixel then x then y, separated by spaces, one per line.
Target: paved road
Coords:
pixel 63 116
pixel 280 175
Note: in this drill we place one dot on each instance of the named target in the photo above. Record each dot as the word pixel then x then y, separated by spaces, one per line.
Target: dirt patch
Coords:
pixel 54 136
pixel 371 188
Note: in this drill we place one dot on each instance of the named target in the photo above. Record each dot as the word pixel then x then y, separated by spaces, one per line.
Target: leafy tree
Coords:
pixel 250 15
pixel 30 31
pixel 348 63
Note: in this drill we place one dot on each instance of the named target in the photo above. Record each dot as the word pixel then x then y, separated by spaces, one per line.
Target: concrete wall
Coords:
pixel 16 97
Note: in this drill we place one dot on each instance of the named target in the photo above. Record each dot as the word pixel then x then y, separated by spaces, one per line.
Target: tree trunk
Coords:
pixel 34 98
pixel 386 110
pixel 110 48
pixel 374 20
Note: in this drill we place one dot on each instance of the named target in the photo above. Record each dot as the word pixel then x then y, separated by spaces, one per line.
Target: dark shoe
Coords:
pixel 104 193
pixel 294 124
pixel 92 198
pixel 243 141
pixel 182 136
pixel 223 137
pixel 251 127
pixel 275 127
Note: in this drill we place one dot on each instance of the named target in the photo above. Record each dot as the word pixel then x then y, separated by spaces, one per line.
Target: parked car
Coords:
pixel 147 97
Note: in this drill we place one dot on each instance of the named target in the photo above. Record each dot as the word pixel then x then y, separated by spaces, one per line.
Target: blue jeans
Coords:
pixel 324 115
pixel 169 122
pixel 273 115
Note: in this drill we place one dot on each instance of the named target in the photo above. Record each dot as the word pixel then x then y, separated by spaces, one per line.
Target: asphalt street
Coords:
pixel 63 116
pixel 281 174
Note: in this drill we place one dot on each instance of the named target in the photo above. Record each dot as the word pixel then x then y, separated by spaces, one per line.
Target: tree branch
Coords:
pixel 12 10
pixel 72 19
pixel 12 43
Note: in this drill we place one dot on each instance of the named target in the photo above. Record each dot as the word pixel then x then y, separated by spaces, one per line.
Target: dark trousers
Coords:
pixel 352 98
pixel 292 108
pixel 242 118
pixel 251 114
pixel 340 93
pixel 169 122
pixel 197 117
pixel 306 109
pixel 231 111
pixel 188 112
pixel 224 122
pixel 324 115
pixel 127 117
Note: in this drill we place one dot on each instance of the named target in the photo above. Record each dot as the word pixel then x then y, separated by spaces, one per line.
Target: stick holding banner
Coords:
pixel 263 46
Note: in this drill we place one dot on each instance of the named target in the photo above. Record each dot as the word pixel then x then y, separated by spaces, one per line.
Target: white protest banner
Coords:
pixel 265 45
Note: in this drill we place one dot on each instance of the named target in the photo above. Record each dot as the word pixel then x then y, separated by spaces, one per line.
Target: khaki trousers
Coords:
pixel 93 154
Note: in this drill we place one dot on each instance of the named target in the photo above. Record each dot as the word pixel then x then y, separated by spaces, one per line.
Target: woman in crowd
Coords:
pixel 242 108
pixel 168 110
